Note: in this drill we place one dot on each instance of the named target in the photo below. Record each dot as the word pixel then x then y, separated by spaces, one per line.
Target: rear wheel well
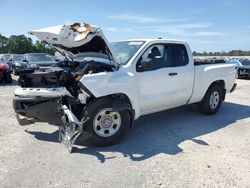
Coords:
pixel 220 83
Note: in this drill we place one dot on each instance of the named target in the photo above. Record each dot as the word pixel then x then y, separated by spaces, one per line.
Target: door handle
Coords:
pixel 172 74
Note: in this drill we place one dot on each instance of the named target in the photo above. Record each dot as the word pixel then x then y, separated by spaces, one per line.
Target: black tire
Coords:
pixel 8 78
pixel 91 110
pixel 205 106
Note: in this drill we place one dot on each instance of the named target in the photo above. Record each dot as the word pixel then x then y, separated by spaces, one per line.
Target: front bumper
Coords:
pixel 53 106
pixel 37 109
pixel 23 71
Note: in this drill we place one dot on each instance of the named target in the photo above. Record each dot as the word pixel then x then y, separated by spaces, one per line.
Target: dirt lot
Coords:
pixel 174 148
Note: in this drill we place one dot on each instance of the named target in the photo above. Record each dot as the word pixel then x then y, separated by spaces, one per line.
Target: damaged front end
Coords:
pixel 71 128
pixel 56 94
pixel 35 109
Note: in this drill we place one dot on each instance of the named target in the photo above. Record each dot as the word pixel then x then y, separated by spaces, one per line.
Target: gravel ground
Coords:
pixel 174 148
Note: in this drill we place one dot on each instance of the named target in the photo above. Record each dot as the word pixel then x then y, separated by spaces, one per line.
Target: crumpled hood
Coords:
pixel 76 38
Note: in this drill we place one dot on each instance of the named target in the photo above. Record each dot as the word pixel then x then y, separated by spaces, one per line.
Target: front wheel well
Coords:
pixel 123 98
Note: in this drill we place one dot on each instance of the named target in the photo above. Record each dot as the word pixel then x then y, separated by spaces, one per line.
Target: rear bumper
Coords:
pixel 233 88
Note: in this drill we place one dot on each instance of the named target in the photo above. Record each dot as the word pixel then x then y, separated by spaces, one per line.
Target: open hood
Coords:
pixel 75 39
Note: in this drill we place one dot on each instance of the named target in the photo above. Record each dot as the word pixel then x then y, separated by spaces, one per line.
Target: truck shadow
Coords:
pixel 163 132
pixel 43 136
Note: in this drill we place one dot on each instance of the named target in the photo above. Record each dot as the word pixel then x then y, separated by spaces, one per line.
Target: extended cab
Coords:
pixel 111 85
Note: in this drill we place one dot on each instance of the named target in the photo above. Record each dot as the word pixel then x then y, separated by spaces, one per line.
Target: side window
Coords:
pixel 155 57
pixel 160 56
pixel 180 55
pixel 155 51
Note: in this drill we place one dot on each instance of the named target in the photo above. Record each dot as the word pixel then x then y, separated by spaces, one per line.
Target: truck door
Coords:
pixel 164 77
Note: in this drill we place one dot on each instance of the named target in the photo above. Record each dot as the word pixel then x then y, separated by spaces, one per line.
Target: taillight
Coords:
pixel 3 66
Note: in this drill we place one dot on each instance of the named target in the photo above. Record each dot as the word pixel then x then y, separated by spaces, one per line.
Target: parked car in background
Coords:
pixel 5 72
pixel 32 61
pixel 236 62
pixel 13 59
pixel 56 58
pixel 244 70
pixel 5 57
pixel 242 65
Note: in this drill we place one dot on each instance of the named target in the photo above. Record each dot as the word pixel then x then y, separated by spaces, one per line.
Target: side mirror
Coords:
pixel 145 65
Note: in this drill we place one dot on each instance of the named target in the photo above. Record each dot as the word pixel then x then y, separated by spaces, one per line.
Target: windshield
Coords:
pixel 234 61
pixel 125 50
pixel 38 57
pixel 245 62
pixel 17 57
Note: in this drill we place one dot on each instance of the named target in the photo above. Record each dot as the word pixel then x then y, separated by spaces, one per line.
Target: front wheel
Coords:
pixel 212 100
pixel 106 126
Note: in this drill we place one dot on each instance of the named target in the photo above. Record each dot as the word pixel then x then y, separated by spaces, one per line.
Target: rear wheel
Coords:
pixel 106 126
pixel 212 100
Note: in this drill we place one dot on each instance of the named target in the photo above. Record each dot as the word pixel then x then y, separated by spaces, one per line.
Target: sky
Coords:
pixel 214 25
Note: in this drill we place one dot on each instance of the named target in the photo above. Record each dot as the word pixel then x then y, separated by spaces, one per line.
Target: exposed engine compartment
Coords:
pixel 57 81
pixel 57 94
pixel 64 74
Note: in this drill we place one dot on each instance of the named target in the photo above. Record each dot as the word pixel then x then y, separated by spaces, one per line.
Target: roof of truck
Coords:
pixel 153 39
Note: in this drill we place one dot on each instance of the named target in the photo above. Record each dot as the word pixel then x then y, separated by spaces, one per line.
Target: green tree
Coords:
pixel 3 43
pixel 19 44
pixel 41 46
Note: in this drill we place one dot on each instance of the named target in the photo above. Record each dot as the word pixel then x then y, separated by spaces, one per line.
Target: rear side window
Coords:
pixel 180 55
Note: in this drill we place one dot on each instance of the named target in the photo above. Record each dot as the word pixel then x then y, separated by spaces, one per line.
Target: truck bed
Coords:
pixel 207 61
pixel 206 74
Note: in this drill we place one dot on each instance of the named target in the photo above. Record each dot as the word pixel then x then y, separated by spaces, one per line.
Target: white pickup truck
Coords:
pixel 115 83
